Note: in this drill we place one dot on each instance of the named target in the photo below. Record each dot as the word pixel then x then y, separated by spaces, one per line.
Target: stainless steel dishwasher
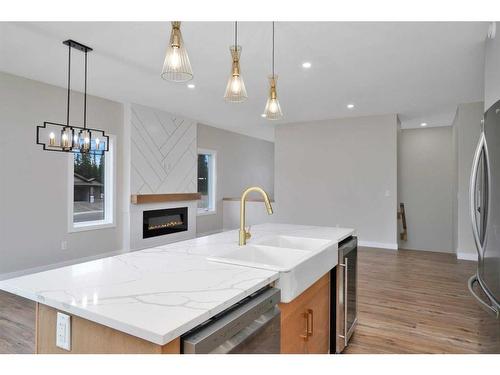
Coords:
pixel 251 326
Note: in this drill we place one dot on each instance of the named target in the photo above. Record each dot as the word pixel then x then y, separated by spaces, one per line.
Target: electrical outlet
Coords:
pixel 63 331
pixel 64 245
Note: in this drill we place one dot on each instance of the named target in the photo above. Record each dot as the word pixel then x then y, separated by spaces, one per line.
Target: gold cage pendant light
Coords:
pixel 235 89
pixel 176 66
pixel 272 111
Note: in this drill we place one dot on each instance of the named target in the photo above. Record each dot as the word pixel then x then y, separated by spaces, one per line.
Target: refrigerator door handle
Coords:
pixel 486 306
pixel 472 193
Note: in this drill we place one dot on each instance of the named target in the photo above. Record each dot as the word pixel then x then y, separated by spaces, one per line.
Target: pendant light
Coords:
pixel 176 66
pixel 69 138
pixel 235 89
pixel 272 110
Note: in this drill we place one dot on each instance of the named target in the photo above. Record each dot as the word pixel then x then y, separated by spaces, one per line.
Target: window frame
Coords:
pixel 109 220
pixel 212 182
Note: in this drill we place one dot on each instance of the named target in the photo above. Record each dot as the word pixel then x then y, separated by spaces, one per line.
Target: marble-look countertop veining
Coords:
pixel 160 293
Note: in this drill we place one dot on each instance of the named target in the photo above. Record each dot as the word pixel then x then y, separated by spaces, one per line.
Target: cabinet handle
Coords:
pixel 305 336
pixel 310 314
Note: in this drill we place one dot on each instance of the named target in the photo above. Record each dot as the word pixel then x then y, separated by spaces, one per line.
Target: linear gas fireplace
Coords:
pixel 165 221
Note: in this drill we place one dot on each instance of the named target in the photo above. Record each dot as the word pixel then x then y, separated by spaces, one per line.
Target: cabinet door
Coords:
pixel 305 321
pixel 319 323
pixel 294 331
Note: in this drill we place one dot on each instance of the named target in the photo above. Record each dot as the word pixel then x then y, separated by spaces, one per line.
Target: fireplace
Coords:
pixel 164 221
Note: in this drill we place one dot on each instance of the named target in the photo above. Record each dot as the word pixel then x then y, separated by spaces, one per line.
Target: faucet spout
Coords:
pixel 244 235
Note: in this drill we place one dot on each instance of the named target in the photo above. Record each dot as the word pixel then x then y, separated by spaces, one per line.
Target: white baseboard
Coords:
pixel 380 245
pixel 65 263
pixel 467 256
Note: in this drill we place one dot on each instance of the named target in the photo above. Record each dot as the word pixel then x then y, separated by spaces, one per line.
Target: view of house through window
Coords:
pixel 89 193
pixel 206 181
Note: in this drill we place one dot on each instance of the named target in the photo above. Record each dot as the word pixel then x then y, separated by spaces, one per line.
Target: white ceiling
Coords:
pixel 420 70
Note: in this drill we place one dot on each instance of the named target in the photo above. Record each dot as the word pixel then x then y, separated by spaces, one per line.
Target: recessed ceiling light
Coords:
pixel 263 115
pixel 423 124
pixel 350 106
pixel 306 65
pixel 191 86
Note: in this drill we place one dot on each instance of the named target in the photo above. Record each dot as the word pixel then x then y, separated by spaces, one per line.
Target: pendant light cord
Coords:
pixel 273 48
pixel 69 85
pixel 236 34
pixel 85 95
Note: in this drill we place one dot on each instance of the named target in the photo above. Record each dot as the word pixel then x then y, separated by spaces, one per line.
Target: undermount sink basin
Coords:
pixel 300 261
pixel 289 242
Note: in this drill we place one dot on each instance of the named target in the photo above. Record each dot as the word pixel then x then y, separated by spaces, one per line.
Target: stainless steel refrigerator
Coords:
pixel 485 211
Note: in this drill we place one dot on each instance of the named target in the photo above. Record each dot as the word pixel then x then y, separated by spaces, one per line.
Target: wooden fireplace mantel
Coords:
pixel 158 198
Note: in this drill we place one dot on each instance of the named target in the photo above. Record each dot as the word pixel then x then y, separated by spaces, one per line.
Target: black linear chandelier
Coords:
pixel 69 138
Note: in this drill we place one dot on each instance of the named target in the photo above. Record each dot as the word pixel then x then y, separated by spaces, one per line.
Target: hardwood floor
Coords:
pixel 418 302
pixel 17 324
pixel 409 302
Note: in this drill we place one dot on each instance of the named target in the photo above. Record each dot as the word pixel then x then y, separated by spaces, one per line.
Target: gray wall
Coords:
pixel 34 187
pixel 340 172
pixel 242 161
pixel 468 125
pixel 492 70
pixel 425 181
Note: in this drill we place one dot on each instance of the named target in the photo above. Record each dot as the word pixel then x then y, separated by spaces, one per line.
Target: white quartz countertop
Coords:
pixel 160 293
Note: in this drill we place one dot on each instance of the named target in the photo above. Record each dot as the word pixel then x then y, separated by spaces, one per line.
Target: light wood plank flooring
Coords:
pixel 418 302
pixel 409 302
pixel 17 324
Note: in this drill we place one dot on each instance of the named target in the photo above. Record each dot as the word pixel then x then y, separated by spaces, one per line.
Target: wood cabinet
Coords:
pixel 305 322
pixel 91 338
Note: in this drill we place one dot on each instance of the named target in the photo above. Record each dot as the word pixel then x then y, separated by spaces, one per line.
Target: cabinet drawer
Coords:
pixel 305 321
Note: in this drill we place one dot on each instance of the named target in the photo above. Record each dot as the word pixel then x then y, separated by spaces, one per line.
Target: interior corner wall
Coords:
pixel 340 172
pixel 425 183
pixel 242 161
pixel 468 126
pixel 34 183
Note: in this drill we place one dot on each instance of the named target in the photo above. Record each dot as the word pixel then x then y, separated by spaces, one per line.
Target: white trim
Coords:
pixel 28 271
pixel 212 187
pixel 380 245
pixel 204 212
pixel 109 193
pixel 467 256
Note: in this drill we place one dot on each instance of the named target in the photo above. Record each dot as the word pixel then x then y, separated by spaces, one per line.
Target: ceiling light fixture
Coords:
pixel 306 65
pixel 176 66
pixel 423 124
pixel 273 108
pixel 235 89
pixel 263 115
pixel 68 138
pixel 350 106
pixel 191 86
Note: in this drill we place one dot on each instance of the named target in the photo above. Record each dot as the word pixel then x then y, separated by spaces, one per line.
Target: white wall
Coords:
pixel 468 125
pixel 492 70
pixel 34 187
pixel 242 161
pixel 340 172
pixel 425 182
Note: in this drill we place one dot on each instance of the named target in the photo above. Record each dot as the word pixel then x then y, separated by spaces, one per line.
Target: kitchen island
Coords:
pixel 143 301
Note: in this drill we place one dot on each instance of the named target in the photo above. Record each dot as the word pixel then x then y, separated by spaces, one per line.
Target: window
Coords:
pixel 206 181
pixel 91 190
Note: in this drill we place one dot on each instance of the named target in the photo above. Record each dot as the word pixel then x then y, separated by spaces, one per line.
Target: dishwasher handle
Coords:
pixel 240 322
